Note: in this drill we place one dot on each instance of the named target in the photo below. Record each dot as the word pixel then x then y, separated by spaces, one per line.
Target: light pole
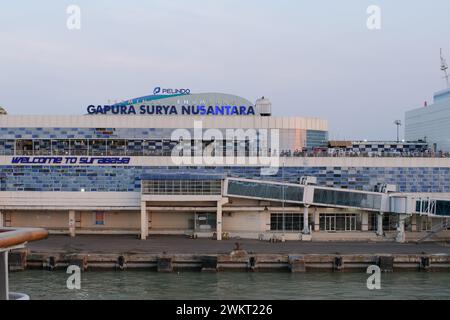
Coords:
pixel 398 123
pixel 283 196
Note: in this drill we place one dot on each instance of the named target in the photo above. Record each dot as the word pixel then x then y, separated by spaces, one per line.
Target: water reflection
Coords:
pixel 196 285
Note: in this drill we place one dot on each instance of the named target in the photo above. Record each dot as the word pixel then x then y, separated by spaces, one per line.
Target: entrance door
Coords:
pixel 350 222
pixel 330 223
pixel 205 222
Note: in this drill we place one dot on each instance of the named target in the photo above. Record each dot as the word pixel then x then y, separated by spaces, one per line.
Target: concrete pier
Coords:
pixel 128 253
pixel 255 262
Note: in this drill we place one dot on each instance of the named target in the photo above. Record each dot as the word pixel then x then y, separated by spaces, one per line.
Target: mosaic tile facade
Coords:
pixel 127 178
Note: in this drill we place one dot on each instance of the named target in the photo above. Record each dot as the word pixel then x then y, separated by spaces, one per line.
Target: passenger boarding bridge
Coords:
pixel 387 200
pixel 217 188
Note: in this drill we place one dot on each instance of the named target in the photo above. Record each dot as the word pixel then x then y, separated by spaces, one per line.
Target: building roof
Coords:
pixel 339 143
pixel 184 176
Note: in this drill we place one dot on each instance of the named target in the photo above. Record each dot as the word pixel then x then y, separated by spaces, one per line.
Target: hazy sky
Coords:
pixel 311 58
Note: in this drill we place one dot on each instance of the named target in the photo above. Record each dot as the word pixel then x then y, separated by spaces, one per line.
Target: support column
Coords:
pixel 401 229
pixel 414 223
pixel 144 221
pixel 4 283
pixel 365 221
pixel 219 221
pixel 72 223
pixel 2 218
pixel 380 224
pixel 219 228
pixel 316 221
pixel 305 220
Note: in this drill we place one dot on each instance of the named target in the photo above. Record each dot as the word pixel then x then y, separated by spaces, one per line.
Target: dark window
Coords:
pixel 288 222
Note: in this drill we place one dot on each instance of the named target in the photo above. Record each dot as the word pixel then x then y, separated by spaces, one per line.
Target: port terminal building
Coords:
pixel 210 165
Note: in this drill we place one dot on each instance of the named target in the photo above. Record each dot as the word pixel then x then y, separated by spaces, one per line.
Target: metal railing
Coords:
pixel 445 225
pixel 13 238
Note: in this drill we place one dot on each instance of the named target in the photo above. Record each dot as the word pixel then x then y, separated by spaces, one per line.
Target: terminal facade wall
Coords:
pixel 128 178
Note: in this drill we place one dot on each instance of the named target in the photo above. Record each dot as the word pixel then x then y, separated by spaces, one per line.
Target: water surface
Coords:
pixel 196 285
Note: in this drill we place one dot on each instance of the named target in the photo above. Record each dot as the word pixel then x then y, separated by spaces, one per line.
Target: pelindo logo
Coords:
pixel 159 90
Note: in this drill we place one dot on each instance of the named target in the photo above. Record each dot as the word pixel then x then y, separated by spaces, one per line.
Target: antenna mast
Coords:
pixel 444 67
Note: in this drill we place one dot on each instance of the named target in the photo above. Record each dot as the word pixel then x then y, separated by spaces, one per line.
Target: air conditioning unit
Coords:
pixel 263 107
pixel 385 188
pixel 305 180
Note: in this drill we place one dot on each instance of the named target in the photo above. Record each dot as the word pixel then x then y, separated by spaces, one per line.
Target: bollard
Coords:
pixel 121 263
pixel 338 264
pixel 425 263
pixel 252 263
pixel 50 264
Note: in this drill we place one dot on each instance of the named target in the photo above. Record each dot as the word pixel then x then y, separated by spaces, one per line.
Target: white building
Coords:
pixel 431 122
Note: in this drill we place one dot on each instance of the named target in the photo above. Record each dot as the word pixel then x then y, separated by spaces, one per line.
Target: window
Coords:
pixel 390 222
pixel 110 145
pixel 99 218
pixel 443 207
pixel 7 147
pixel 373 221
pixel 347 198
pixel 97 147
pixel 116 148
pixel 79 147
pixel 288 222
pixel 42 147
pixel 61 147
pixel 266 190
pixel 24 147
pixel 340 222
pixel 182 187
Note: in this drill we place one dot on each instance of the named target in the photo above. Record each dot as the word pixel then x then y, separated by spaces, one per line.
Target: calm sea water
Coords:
pixel 196 285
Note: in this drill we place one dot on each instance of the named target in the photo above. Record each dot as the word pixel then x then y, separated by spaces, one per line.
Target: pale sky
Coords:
pixel 310 58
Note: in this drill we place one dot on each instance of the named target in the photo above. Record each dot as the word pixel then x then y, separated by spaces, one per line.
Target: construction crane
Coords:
pixel 444 67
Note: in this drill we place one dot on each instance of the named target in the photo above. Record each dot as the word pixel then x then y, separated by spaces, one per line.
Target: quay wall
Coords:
pixel 237 260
